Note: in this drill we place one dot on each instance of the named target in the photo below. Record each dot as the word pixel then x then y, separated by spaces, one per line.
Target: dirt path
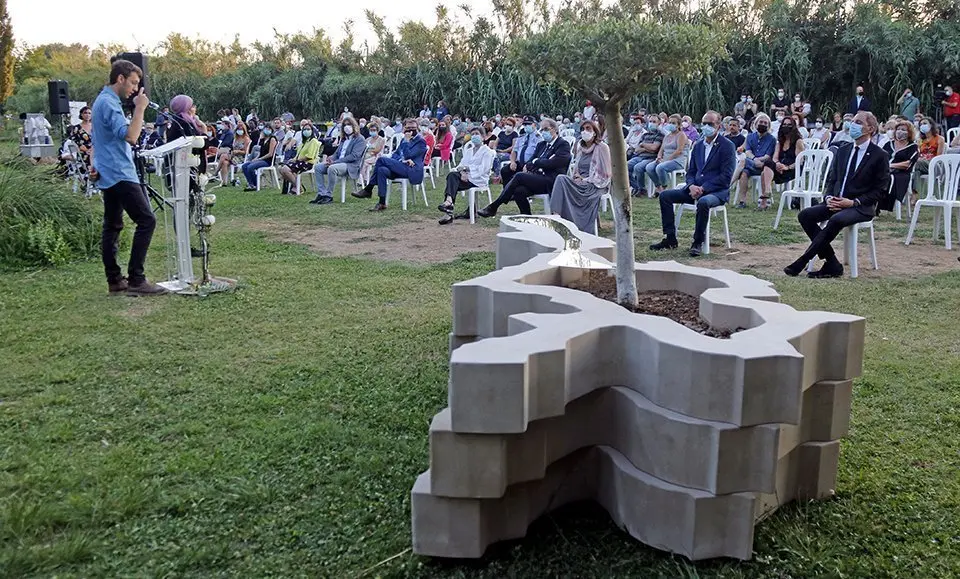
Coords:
pixel 422 241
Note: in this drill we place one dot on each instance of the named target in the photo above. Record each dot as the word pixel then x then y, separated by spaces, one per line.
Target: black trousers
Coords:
pixel 130 197
pixel 454 185
pixel 821 238
pixel 521 187
pixel 506 173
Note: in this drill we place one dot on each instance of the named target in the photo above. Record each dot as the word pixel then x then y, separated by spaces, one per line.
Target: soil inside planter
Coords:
pixel 679 307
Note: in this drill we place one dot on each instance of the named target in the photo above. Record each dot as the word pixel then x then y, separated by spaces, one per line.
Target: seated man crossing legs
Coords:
pixel 405 163
pixel 551 158
pixel 344 162
pixel 859 178
pixel 709 173
pixel 646 153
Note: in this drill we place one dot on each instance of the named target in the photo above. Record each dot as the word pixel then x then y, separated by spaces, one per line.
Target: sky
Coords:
pixel 94 22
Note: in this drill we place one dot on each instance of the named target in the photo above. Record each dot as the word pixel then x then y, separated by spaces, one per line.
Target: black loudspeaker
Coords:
pixel 59 97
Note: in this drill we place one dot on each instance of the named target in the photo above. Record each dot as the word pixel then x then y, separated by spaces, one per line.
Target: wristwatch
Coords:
pixel 856 203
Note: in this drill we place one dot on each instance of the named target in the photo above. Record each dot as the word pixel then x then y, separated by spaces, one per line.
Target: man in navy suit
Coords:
pixel 405 163
pixel 712 163
pixel 858 102
pixel 551 158
pixel 859 178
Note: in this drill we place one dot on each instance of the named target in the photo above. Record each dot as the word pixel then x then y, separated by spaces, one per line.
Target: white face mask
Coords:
pixel 818 124
pixel 348 130
pixel 890 134
pixel 587 136
pixel 685 124
pixel 780 94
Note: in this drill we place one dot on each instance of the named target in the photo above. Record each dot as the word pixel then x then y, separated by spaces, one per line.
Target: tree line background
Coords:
pixel 820 48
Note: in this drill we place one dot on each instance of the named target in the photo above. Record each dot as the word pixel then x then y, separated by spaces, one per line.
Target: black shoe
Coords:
pixel 325 201
pixel 315 200
pixel 665 243
pixel 794 269
pixel 285 190
pixel 249 188
pixel 831 268
pixel 194 252
pixel 362 194
pixel 378 207
pixel 488 211
pixel 446 219
pixel 741 205
pixel 445 207
pixel 696 250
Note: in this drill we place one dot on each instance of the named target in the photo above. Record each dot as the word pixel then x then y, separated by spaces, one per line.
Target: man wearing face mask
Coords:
pixel 759 149
pixel 859 178
pixel 505 141
pixel 405 163
pixel 647 152
pixel 551 158
pixel 951 108
pixel 909 104
pixel 524 148
pixel 780 104
pixel 344 162
pixel 709 173
pixel 859 102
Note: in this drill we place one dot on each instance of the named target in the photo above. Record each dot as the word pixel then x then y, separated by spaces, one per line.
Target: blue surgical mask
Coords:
pixel 669 128
pixel 268 132
pixel 924 128
pixel 307 133
pixel 709 131
pixel 856 131
pixel 846 125
pixel 652 126
pixel 528 129
pixel 476 140
pixel 546 135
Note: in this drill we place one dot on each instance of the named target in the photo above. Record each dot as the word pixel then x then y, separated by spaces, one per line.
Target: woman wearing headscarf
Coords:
pixel 184 123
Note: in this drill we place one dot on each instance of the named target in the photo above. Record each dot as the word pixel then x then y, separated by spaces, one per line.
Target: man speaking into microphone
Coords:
pixel 113 135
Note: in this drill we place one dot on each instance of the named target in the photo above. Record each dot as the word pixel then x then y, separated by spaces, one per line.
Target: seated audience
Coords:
pixel 505 141
pixel 375 144
pixel 634 135
pixel 238 153
pixel 577 198
pixel 647 152
pixel 781 168
pixel 710 171
pixel 672 155
pixel 735 134
pixel 345 161
pixel 931 145
pixel 552 158
pixel 306 157
pixel 267 150
pixel 686 125
pixel 843 135
pixel 475 172
pixel 524 149
pixel 847 199
pixel 820 133
pixel 405 163
pixel 444 144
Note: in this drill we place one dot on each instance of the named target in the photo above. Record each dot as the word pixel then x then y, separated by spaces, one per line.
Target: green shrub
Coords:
pixel 41 221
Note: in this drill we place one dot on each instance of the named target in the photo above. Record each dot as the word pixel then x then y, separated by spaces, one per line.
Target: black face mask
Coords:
pixel 761 129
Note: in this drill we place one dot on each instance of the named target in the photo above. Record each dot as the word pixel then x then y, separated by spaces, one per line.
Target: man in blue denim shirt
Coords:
pixel 523 149
pixel 113 162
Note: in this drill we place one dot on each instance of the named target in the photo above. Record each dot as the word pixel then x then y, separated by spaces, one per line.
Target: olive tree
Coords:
pixel 609 58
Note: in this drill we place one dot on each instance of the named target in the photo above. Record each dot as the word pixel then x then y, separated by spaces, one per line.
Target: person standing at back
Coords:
pixel 113 162
pixel 859 102
pixel 909 104
pixel 951 108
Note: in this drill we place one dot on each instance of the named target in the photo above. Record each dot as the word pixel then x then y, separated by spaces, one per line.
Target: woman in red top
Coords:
pixel 931 145
pixel 427 135
pixel 444 143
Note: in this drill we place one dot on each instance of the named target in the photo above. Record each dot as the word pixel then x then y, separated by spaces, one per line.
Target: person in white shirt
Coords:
pixel 425 111
pixel 474 172
pixel 634 134
pixel 820 133
pixel 589 111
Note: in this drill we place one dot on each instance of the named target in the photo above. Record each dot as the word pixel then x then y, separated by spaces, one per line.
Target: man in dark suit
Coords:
pixel 405 163
pixel 709 173
pixel 859 178
pixel 858 102
pixel 551 158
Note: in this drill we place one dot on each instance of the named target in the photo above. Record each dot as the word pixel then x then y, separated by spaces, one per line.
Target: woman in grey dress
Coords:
pixel 576 198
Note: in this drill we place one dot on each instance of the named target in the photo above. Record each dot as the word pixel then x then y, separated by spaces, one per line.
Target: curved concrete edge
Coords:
pixel 518 242
pixel 498 385
pixel 685 521
pixel 715 457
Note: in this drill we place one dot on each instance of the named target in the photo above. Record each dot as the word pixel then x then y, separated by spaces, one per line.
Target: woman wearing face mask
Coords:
pixel 342 163
pixel 686 125
pixel 903 153
pixel 821 133
pixel 238 153
pixel 577 198
pixel 931 145
pixel 473 172
pixel 444 144
pixel 375 144
pixel 800 109
pixel 782 167
pixel 780 104
pixel 308 151
pixel 759 149
pixel 672 155
pixel 268 147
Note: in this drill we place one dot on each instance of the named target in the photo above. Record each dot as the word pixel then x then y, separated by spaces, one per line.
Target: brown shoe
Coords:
pixel 117 287
pixel 378 207
pixel 145 288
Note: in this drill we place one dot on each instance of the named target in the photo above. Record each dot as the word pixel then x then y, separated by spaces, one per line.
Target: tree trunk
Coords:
pixel 622 209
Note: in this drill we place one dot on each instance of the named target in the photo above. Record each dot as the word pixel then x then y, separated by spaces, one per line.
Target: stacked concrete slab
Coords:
pixel 687 441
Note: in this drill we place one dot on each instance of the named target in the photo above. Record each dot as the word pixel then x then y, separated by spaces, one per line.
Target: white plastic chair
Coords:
pixel 812 144
pixel 404 184
pixel 571 140
pixel 675 176
pixel 546 203
pixel 679 208
pixel 952 134
pixel 945 172
pixel 272 169
pixel 813 166
pixel 428 172
pixel 472 193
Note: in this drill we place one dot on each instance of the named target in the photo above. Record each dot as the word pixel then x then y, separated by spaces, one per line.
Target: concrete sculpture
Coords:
pixel 686 440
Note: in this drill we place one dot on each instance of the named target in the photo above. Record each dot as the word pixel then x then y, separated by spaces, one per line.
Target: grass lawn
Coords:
pixel 277 431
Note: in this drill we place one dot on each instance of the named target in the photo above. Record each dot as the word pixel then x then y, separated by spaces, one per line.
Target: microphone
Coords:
pixel 153 106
